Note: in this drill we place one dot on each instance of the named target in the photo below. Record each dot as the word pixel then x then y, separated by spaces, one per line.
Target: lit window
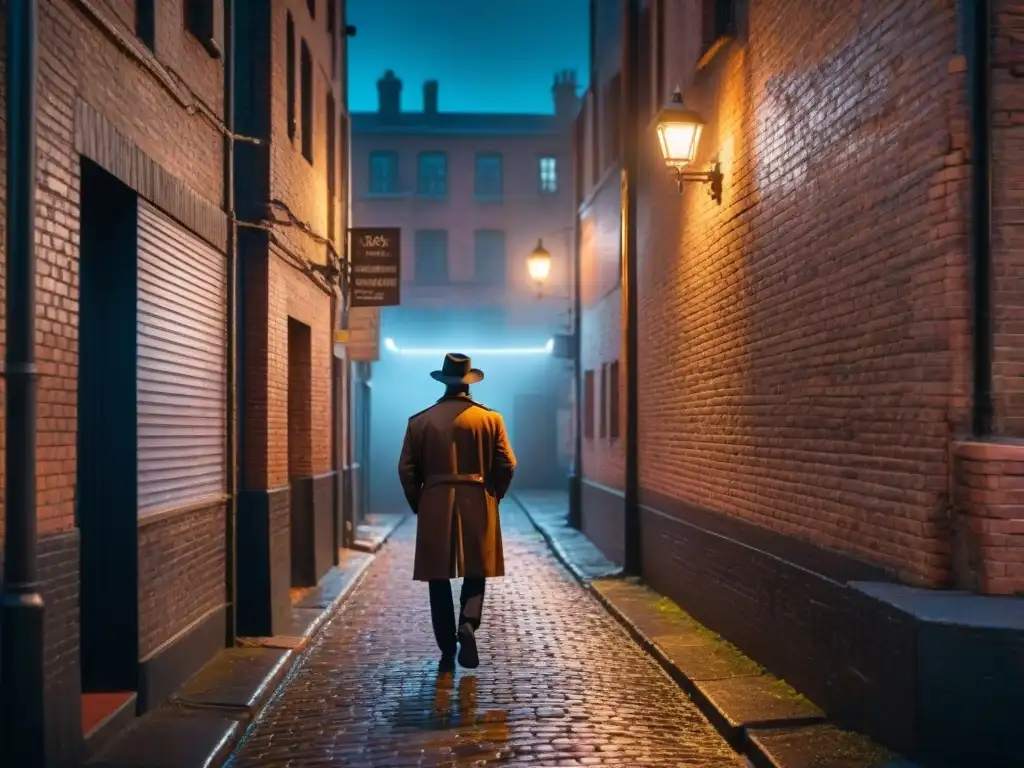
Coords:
pixel 548 175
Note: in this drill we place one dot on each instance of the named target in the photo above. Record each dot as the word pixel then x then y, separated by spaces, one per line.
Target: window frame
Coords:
pixel 717 27
pixel 420 157
pixel 290 74
pixel 307 86
pixel 419 277
pixel 588 404
pixel 204 22
pixel 145 23
pixel 485 195
pixel 391 154
pixel 497 278
pixel 540 175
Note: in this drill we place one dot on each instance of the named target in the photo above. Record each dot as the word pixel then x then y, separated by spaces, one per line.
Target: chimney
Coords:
pixel 567 102
pixel 430 97
pixel 389 95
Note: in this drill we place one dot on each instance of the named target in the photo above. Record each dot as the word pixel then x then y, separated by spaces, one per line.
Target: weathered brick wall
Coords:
pixel 989 521
pixel 797 343
pixel 1007 217
pixel 292 294
pixel 181 572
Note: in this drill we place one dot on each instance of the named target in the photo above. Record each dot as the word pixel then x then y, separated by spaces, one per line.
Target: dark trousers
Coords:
pixel 442 610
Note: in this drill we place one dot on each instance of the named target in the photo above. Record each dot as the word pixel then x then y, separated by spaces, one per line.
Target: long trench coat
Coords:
pixel 456 465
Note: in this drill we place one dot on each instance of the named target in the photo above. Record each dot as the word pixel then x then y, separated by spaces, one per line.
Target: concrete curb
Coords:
pixel 741 738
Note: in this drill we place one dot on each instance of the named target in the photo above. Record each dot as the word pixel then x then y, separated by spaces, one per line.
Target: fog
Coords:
pixel 523 381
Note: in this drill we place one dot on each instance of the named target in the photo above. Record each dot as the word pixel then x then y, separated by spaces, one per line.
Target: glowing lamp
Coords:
pixel 539 264
pixel 679 130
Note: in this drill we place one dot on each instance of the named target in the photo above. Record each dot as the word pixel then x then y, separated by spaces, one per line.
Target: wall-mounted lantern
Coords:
pixel 539 265
pixel 679 132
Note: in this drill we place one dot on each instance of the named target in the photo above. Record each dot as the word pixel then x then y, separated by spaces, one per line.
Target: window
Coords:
pixel 489 256
pixel 202 20
pixel 602 425
pixel 613 400
pixel 610 121
pixel 548 175
pixel 383 173
pixel 588 405
pixel 307 103
pixel 579 156
pixel 332 160
pixel 489 182
pixel 432 176
pixel 431 257
pixel 311 4
pixel 332 31
pixel 290 74
pixel 718 21
pixel 145 22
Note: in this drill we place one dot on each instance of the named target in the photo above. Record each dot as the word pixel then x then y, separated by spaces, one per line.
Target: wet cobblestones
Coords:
pixel 560 684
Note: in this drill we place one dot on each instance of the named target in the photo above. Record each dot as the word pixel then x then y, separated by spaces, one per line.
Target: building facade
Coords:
pixel 472 195
pixel 181 259
pixel 815 460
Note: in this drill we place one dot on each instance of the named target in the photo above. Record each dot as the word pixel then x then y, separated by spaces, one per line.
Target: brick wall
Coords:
pixel 293 295
pixel 795 354
pixel 1008 199
pixel 181 572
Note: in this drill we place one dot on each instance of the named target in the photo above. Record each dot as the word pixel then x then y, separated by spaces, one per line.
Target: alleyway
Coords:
pixel 560 684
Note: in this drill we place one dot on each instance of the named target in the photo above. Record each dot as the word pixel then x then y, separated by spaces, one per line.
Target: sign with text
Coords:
pixel 375 278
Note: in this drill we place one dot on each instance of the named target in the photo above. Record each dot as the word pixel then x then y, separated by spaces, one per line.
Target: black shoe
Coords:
pixel 468 656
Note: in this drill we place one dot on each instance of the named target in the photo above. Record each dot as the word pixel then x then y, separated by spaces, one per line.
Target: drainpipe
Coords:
pixel 576 476
pixel 231 516
pixel 980 89
pixel 21 604
pixel 628 131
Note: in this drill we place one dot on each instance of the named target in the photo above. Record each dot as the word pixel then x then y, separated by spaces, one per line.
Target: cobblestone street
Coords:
pixel 559 684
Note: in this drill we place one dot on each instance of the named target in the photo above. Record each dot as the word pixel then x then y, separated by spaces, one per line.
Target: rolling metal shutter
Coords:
pixel 181 364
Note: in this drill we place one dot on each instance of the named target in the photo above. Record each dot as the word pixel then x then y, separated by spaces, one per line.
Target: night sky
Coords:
pixel 489 55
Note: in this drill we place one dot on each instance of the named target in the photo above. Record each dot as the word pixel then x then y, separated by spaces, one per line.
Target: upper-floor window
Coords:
pixel 489 256
pixel 383 172
pixel 432 174
pixel 613 400
pixel 548 175
pixel 431 253
pixel 203 21
pixel 289 73
pixel 718 21
pixel 307 102
pixel 145 22
pixel 311 4
pixel 489 183
pixel 588 405
pixel 332 160
pixel 332 31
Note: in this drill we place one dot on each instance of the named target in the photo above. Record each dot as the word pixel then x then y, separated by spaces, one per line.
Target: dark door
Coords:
pixel 535 442
pixel 107 467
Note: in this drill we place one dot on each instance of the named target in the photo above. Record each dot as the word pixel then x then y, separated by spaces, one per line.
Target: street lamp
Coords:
pixel 679 130
pixel 538 264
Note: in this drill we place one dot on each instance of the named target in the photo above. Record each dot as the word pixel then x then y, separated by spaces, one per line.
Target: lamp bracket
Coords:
pixel 712 177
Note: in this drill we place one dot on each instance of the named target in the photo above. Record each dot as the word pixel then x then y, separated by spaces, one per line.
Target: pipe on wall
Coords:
pixel 231 516
pixel 21 604
pixel 629 156
pixel 979 85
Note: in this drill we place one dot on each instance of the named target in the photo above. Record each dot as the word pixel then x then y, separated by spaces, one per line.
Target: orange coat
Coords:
pixel 456 465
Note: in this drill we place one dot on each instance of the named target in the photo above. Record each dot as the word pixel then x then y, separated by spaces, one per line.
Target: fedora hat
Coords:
pixel 457 369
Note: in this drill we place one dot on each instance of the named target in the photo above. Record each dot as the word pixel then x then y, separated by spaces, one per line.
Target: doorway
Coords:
pixel 300 453
pixel 106 501
pixel 535 442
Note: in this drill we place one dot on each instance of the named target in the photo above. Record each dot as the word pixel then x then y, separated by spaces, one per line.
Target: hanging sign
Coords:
pixel 375 277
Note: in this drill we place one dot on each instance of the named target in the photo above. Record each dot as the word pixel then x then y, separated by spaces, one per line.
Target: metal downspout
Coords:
pixel 980 90
pixel 21 604
pixel 231 516
pixel 629 156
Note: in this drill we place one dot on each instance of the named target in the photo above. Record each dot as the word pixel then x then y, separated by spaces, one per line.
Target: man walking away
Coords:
pixel 456 466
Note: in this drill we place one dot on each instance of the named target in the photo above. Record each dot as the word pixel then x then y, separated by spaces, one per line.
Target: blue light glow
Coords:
pixel 392 347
